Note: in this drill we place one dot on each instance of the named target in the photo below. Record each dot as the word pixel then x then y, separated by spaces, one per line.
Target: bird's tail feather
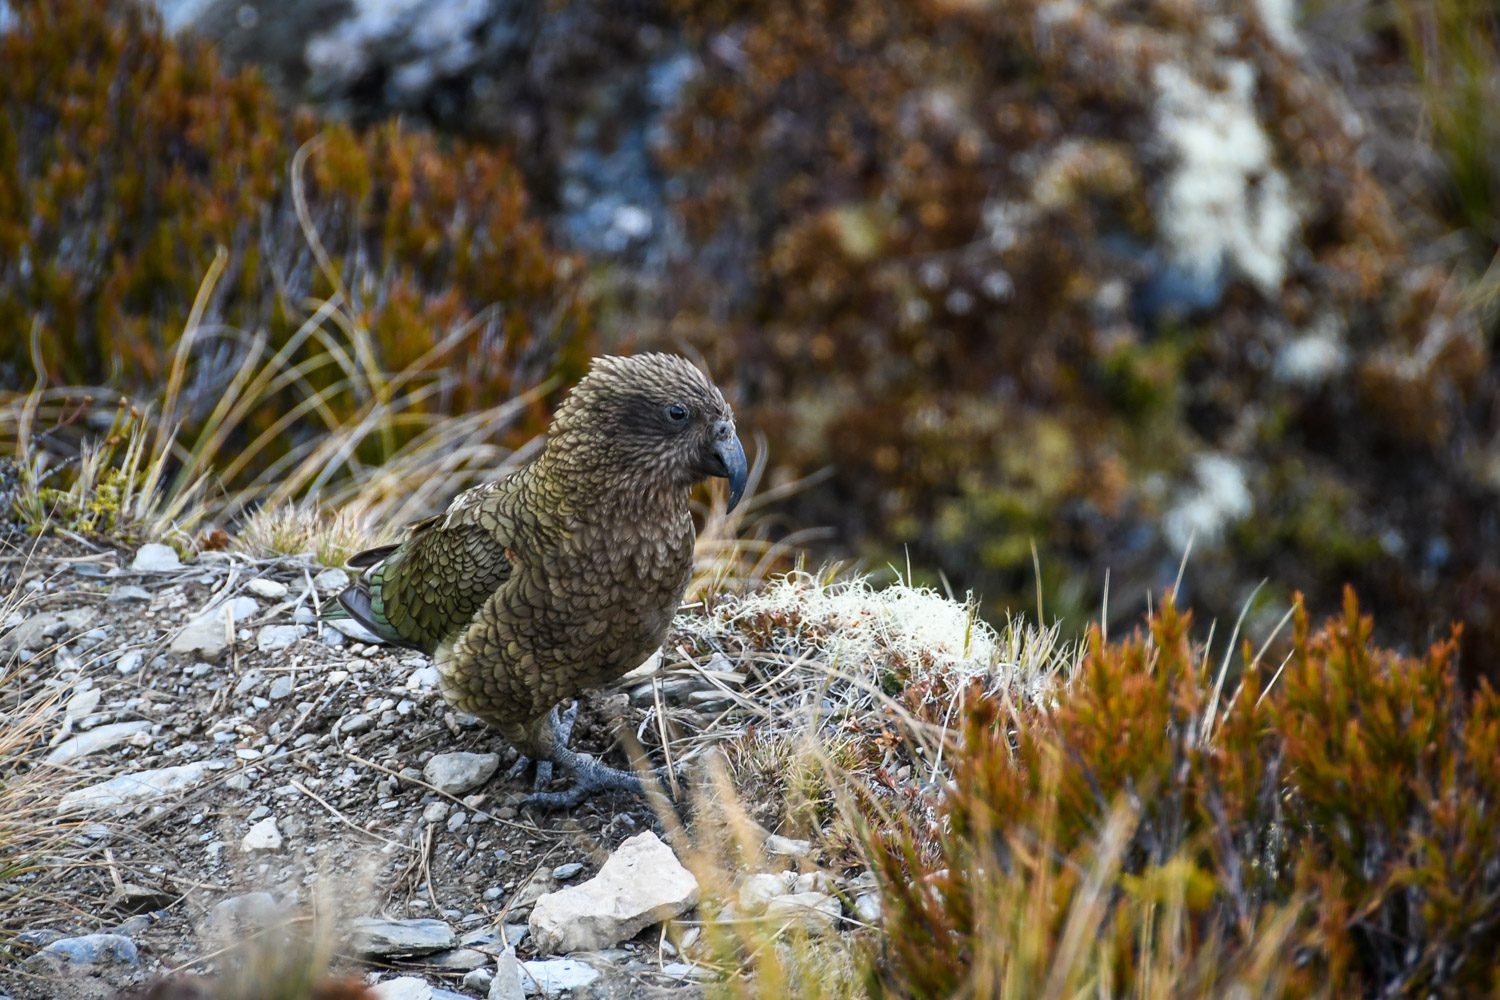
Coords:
pixel 355 602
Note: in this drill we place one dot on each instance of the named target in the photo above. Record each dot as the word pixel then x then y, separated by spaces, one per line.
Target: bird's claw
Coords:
pixel 562 724
pixel 590 777
pixel 518 768
pixel 562 731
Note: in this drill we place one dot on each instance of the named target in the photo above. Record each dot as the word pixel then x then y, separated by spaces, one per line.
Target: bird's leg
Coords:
pixel 562 731
pixel 589 775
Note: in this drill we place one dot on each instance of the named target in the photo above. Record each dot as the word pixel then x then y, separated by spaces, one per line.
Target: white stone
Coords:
pixel 404 988
pixel 331 579
pixel 354 630
pixel 813 911
pixel 155 558
pixel 130 662
pixel 505 982
pixel 556 976
pixel 263 836
pixel 423 678
pixel 758 890
pixel 207 635
pixel 786 847
pixel 82 704
pixel 816 881
pixel 271 590
pixel 271 638
pixel 641 884
pixel 867 908
pixel 100 738
pixel 460 772
pixel 131 789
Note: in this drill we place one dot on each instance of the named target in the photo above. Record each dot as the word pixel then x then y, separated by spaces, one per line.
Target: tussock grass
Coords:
pixel 1454 50
pixel 380 452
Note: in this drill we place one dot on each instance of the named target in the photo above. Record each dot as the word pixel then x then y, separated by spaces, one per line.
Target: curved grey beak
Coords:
pixel 729 455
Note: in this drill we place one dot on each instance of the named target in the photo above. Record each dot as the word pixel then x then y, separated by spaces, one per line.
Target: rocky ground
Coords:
pixel 214 758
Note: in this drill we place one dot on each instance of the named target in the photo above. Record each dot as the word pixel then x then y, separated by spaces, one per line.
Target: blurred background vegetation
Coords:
pixel 1051 289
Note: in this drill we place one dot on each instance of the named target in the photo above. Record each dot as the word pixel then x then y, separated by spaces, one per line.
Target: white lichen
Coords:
pixel 1219 498
pixel 1224 204
pixel 847 636
pixel 1315 356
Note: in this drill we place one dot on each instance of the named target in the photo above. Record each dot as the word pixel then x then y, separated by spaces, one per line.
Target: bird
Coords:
pixel 567 572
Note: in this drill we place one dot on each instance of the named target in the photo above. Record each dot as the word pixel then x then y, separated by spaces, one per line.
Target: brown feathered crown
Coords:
pixel 644 420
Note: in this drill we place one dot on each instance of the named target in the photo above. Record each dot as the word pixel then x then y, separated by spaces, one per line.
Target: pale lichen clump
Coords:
pixel 1219 499
pixel 843 648
pixel 1226 205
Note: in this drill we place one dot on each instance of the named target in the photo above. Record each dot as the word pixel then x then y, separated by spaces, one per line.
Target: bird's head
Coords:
pixel 651 418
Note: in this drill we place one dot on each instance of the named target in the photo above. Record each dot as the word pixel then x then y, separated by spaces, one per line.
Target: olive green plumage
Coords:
pixel 566 573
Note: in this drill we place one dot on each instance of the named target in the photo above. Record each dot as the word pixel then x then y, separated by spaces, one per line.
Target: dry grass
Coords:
pixel 30 837
pixel 289 955
pixel 134 479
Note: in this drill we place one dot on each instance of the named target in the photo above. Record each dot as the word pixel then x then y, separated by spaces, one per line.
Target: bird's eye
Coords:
pixel 677 413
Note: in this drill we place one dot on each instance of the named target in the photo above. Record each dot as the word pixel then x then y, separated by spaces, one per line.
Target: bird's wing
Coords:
pixel 429 586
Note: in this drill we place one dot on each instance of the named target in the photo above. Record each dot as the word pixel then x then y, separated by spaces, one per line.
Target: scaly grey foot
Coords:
pixel 562 731
pixel 589 775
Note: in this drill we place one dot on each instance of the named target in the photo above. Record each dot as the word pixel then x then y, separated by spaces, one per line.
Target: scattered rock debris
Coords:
pixel 224 761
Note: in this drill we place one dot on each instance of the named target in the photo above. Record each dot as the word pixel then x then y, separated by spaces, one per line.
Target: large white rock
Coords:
pixel 131 789
pixel 643 883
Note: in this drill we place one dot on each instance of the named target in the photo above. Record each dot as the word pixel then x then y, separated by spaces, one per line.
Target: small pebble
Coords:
pixel 272 590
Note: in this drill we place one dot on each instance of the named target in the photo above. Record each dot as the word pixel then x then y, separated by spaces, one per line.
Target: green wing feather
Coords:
pixel 429 587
